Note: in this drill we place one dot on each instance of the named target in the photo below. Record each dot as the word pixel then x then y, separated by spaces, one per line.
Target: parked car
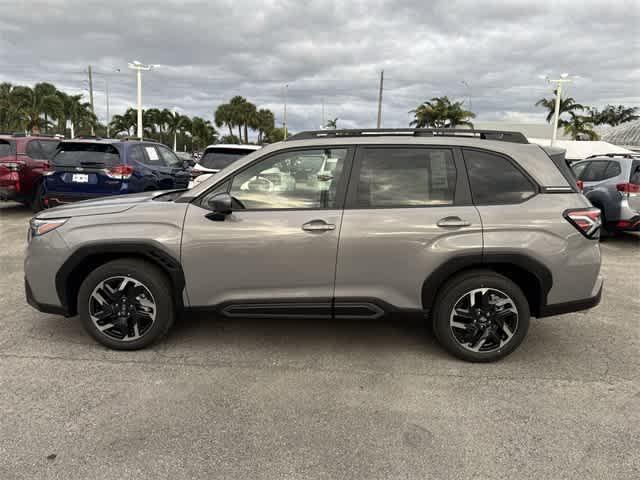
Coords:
pixel 217 157
pixel 186 157
pixel 23 159
pixel 85 169
pixel 612 184
pixel 475 231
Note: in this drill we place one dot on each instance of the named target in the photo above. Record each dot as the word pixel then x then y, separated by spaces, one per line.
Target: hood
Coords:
pixel 100 206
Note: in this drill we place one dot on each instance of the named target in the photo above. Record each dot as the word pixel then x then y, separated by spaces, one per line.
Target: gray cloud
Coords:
pixel 331 50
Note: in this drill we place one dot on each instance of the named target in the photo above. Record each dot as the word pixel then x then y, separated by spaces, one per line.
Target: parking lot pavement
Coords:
pixel 330 399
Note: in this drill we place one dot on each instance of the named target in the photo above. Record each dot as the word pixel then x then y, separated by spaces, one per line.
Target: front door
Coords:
pixel 275 254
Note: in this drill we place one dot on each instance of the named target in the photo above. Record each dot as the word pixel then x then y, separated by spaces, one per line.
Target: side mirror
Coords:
pixel 220 203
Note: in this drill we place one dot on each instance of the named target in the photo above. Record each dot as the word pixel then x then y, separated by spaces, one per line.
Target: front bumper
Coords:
pixel 43 307
pixel 573 306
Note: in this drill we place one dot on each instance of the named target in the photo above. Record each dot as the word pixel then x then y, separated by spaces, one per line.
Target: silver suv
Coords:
pixel 476 231
pixel 612 184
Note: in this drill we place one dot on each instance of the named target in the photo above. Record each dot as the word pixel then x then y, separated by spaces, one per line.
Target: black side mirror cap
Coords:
pixel 220 203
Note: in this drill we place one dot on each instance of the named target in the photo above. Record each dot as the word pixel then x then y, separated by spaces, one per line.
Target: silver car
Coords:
pixel 474 231
pixel 612 183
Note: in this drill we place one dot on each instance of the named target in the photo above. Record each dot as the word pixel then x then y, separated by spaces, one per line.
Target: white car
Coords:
pixel 217 157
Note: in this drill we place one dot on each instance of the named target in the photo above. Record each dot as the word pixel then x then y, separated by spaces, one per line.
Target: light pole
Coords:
pixel 106 89
pixel 284 118
pixel 466 84
pixel 139 67
pixel 563 79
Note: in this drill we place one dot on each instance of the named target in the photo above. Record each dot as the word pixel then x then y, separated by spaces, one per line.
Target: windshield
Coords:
pixel 88 154
pixel 218 158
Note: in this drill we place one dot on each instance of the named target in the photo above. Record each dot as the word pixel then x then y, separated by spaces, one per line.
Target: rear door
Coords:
pixel 408 211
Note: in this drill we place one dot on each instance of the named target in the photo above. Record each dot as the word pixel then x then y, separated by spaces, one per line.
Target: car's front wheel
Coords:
pixel 126 304
pixel 480 316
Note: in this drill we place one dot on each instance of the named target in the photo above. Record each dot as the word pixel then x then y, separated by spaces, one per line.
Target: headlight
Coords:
pixel 39 227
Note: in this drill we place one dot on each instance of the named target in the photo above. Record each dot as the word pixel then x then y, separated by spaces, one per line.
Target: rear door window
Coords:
pixel 495 180
pixel 405 177
pixel 168 157
pixel 579 169
pixel 86 155
pixel 635 172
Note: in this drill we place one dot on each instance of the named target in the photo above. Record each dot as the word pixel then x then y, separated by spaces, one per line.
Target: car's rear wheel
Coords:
pixel 126 304
pixel 480 316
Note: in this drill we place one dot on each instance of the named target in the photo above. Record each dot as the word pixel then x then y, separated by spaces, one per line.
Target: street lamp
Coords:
pixel 139 67
pixel 466 84
pixel 106 88
pixel 564 78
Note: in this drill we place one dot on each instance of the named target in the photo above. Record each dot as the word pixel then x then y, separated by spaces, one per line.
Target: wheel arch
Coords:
pixel 85 259
pixel 534 279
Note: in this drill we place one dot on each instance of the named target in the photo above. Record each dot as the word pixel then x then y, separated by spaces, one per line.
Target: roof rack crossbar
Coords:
pixel 611 155
pixel 504 136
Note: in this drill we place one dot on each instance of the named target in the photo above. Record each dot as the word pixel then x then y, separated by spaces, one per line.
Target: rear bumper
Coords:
pixel 9 193
pixel 573 306
pixel 630 225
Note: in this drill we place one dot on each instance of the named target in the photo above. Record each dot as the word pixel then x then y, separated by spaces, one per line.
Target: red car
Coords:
pixel 23 159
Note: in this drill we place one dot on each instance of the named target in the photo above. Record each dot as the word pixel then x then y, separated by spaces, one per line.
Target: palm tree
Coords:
pixel 224 116
pixel 243 114
pixel 579 126
pixel 76 113
pixel 332 123
pixel 264 122
pixel 202 133
pixel 613 115
pixel 11 117
pixel 125 123
pixel 441 112
pixel 175 123
pixel 38 104
pixel 567 105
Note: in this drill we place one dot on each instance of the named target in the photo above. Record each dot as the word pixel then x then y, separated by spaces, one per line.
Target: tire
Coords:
pixel 495 321
pixel 37 201
pixel 146 285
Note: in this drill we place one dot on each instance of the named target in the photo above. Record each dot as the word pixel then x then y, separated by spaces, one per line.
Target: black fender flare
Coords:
pixel 89 256
pixel 501 262
pixel 604 201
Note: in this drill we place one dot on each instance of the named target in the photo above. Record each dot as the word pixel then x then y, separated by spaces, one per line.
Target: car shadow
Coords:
pixel 11 210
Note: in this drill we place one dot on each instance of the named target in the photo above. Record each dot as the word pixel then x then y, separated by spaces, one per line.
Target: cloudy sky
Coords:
pixel 211 50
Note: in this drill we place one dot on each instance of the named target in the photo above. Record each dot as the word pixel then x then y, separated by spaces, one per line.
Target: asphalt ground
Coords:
pixel 287 399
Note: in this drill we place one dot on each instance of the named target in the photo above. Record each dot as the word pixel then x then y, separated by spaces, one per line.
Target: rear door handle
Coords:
pixel 318 226
pixel 452 222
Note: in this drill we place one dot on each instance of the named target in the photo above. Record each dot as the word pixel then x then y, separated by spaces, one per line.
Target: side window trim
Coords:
pixel 534 185
pixel 201 200
pixel 462 193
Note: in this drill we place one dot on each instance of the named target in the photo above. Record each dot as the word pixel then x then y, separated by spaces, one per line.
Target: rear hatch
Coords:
pixel 217 158
pixel 633 191
pixel 86 169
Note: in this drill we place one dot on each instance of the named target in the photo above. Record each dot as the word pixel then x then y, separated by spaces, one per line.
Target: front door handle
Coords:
pixel 452 222
pixel 318 226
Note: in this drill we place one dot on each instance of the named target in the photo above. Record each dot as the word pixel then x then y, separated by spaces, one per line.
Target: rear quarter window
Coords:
pixel 495 180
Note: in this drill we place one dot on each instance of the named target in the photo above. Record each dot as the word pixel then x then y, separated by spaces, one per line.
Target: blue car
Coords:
pixel 89 168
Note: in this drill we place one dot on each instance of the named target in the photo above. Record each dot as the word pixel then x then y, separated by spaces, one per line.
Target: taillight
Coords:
pixel 120 172
pixel 580 185
pixel 586 220
pixel 628 188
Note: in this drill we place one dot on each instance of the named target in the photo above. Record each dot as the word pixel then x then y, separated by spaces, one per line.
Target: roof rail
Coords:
pixel 137 139
pixel 504 136
pixel 611 155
